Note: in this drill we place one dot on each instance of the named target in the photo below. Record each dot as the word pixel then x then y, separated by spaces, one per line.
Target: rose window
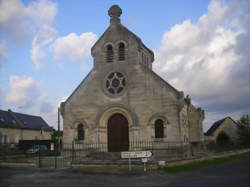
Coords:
pixel 115 83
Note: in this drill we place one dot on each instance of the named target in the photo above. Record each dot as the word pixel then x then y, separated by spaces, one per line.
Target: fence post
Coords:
pixel 39 156
pixel 55 152
pixel 72 152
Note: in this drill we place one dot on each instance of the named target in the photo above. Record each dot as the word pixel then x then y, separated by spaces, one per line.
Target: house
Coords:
pixel 122 100
pixel 17 126
pixel 226 125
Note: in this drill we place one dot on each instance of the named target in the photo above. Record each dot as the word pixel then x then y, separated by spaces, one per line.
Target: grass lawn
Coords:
pixel 205 163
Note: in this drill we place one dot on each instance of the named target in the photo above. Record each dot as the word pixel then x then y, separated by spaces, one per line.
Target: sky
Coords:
pixel 201 47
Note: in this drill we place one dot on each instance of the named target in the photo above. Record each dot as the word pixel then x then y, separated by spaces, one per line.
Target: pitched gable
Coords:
pixel 216 125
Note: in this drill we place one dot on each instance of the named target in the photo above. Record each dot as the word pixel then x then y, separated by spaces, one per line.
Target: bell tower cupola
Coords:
pixel 115 12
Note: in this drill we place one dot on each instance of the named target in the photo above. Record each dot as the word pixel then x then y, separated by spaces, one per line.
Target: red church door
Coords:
pixel 118 138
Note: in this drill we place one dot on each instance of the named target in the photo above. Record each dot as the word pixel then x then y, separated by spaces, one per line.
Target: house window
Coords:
pixel 109 53
pixel 121 52
pixel 159 128
pixel 80 132
pixel 42 129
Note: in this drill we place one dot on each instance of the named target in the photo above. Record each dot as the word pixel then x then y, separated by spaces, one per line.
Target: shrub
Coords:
pixel 223 139
pixel 244 131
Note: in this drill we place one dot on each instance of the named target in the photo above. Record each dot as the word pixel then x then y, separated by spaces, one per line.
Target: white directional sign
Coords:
pixel 136 154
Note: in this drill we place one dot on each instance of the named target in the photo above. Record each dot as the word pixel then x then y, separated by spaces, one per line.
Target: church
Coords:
pixel 122 100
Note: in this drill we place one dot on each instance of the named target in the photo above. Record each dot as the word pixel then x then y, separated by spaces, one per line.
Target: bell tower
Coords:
pixel 118 46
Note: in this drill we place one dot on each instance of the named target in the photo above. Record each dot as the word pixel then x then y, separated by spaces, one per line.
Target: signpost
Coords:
pixel 136 154
pixel 144 161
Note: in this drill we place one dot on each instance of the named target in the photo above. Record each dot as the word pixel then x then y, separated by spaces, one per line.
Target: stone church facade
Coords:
pixel 123 100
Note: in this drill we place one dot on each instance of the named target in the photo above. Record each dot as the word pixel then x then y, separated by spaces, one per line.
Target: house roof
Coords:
pixel 216 125
pixel 11 119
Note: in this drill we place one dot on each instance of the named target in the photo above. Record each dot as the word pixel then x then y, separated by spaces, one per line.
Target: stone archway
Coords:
pixel 118 133
pixel 103 118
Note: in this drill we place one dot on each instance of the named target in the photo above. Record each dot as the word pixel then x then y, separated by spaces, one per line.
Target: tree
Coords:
pixel 244 130
pixel 223 139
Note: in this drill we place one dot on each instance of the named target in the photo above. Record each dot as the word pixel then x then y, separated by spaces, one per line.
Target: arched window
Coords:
pixel 121 52
pixel 159 128
pixel 80 132
pixel 109 53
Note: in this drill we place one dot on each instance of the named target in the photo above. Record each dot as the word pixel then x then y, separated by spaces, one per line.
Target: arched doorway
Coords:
pixel 118 137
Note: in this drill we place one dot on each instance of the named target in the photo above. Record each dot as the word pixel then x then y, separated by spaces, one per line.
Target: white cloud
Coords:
pixel 209 59
pixel 46 107
pixel 24 91
pixel 27 96
pixel 20 23
pixel 40 41
pixel 43 11
pixel 73 47
pixel 12 20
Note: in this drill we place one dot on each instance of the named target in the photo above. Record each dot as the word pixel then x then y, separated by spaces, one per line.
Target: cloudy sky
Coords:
pixel 201 47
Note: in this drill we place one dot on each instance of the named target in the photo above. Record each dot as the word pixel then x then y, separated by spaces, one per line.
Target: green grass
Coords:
pixel 205 163
pixel 213 147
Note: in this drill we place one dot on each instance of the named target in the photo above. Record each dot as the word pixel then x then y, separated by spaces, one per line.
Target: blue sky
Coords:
pixel 200 47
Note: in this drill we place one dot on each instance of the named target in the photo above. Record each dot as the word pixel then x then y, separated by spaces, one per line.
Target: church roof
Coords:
pixel 216 125
pixel 85 78
pixel 9 119
pixel 162 80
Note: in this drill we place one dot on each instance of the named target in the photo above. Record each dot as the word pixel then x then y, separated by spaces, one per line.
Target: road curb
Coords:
pixel 115 166
pixel 16 164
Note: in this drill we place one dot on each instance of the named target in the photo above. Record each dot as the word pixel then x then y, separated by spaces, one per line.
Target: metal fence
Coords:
pixel 80 151
pixel 77 152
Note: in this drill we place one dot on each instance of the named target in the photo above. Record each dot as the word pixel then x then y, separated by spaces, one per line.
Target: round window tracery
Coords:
pixel 115 83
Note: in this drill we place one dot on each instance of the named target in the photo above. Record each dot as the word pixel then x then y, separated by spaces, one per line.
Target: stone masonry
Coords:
pixel 122 82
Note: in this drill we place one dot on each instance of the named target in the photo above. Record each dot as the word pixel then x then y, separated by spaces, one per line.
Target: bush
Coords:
pixel 223 139
pixel 26 144
pixel 244 131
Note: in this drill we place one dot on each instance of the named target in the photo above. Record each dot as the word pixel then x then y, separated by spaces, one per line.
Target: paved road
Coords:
pixel 233 174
